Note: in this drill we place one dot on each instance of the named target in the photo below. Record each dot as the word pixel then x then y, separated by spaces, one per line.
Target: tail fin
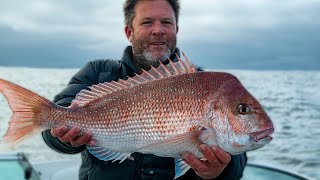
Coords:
pixel 25 106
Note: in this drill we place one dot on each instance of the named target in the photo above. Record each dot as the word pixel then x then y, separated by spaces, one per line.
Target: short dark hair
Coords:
pixel 128 9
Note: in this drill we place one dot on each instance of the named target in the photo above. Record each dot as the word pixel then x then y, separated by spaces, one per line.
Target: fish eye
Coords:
pixel 243 109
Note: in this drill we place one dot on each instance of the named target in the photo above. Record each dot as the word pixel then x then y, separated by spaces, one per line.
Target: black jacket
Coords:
pixel 144 166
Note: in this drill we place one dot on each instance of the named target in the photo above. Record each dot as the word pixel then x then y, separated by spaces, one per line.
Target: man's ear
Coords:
pixel 177 30
pixel 128 32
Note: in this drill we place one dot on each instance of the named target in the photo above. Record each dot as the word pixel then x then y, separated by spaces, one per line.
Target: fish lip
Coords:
pixel 262 134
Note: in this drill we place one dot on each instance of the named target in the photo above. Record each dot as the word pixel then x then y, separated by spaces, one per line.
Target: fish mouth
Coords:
pixel 262 134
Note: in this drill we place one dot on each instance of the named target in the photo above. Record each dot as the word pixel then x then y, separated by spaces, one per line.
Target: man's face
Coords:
pixel 153 31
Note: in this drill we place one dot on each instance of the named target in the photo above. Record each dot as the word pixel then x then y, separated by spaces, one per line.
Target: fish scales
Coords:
pixel 166 111
pixel 153 112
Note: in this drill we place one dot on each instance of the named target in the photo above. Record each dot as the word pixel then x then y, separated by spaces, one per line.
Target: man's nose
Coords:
pixel 158 29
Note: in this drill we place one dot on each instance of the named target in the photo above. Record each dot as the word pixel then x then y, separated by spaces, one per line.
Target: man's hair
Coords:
pixel 129 12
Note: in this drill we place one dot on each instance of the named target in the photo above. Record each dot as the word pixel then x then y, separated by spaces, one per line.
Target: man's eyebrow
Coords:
pixel 147 18
pixel 168 18
pixel 165 18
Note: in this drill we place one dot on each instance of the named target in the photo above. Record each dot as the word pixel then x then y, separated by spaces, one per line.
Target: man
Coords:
pixel 151 27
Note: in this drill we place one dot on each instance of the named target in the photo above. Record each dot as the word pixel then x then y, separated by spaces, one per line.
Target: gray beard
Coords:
pixel 147 59
pixel 152 59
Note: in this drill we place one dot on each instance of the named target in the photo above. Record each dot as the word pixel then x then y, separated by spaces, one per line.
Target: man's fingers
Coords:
pixel 70 135
pixel 91 143
pixel 73 136
pixel 209 154
pixel 194 162
pixel 216 161
pixel 59 131
pixel 82 139
pixel 223 156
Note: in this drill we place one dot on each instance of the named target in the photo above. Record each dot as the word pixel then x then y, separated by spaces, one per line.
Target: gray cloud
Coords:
pixel 265 34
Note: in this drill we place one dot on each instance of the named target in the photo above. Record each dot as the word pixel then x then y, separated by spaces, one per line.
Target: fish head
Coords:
pixel 239 121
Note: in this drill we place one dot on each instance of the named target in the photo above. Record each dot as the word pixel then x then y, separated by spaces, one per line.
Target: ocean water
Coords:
pixel 291 98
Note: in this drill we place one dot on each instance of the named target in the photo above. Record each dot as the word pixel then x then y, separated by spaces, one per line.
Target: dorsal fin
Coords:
pixel 162 71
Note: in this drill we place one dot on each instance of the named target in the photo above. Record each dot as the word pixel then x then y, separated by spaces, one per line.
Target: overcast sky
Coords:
pixel 229 34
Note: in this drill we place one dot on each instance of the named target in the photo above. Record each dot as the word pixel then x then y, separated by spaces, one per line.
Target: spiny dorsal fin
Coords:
pixel 162 71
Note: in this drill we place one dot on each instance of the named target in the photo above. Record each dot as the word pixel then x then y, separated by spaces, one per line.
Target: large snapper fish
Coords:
pixel 165 111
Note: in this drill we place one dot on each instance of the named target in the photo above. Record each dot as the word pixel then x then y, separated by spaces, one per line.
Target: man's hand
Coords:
pixel 212 167
pixel 73 136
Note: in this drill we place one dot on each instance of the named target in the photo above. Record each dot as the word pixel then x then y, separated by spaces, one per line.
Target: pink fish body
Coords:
pixel 165 111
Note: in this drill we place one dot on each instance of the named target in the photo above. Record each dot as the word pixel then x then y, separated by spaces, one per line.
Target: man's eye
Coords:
pixel 146 22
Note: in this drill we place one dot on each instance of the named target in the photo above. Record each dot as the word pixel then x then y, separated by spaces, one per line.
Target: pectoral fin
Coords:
pixel 174 146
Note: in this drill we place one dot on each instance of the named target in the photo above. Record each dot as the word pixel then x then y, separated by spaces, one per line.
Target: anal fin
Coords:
pixel 181 167
pixel 106 155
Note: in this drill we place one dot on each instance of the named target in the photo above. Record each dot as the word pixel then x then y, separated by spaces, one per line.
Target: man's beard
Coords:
pixel 153 59
pixel 144 58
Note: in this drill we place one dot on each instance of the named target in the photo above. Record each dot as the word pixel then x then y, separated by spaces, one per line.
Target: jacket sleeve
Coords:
pixel 87 76
pixel 234 170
